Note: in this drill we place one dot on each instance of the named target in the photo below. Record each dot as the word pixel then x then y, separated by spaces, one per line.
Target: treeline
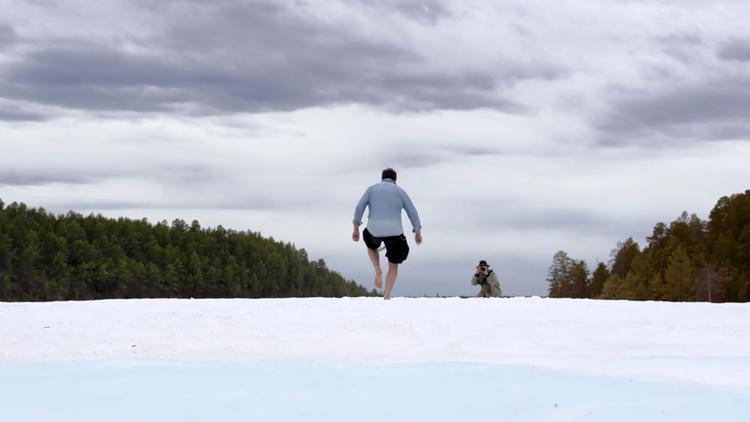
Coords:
pixel 73 257
pixel 687 260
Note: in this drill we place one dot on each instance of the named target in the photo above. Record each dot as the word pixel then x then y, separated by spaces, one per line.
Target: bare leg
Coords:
pixel 375 258
pixel 390 280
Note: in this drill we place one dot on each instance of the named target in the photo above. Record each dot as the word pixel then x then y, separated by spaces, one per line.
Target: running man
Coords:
pixel 386 200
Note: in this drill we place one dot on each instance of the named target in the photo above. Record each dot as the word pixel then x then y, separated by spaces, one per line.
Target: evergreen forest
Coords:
pixel 46 257
pixel 686 260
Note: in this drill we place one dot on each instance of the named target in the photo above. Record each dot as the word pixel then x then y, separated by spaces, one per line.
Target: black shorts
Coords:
pixel 395 246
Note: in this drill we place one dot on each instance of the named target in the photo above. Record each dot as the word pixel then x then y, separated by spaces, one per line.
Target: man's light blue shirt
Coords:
pixel 386 200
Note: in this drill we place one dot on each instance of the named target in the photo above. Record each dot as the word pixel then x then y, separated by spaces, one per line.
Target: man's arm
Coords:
pixel 477 278
pixel 359 211
pixel 411 211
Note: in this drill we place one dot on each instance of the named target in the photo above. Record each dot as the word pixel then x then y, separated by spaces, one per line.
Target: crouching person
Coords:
pixel 486 278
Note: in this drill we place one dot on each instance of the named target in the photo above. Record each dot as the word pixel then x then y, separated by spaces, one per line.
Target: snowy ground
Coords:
pixel 368 359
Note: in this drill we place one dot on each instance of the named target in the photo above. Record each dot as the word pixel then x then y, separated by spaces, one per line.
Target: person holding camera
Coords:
pixel 486 278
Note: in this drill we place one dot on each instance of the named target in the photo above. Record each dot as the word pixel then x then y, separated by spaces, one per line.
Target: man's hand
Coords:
pixel 355 234
pixel 418 238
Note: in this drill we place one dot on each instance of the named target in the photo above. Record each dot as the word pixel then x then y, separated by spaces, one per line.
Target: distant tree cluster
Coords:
pixel 70 257
pixel 688 260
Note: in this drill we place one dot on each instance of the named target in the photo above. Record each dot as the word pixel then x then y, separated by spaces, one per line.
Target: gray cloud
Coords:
pixel 257 202
pixel 8 113
pixel 245 203
pixel 88 76
pixel 412 158
pixel 684 47
pixel 412 155
pixel 578 221
pixel 683 38
pixel 250 57
pixel 83 206
pixel 182 174
pixel 425 11
pixel 735 50
pixel 7 35
pixel 183 186
pixel 708 109
pixel 473 150
pixel 38 177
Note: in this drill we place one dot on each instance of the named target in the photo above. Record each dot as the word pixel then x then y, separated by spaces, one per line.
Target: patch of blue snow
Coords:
pixel 192 391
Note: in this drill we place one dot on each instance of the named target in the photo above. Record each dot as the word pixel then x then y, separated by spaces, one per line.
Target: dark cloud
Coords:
pixel 707 109
pixel 735 50
pixel 15 114
pixel 89 76
pixel 215 57
pixel 42 177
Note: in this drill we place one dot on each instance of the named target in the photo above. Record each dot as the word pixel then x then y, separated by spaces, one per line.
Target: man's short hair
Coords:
pixel 389 173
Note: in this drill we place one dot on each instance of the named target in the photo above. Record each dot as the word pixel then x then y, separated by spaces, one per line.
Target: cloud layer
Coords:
pixel 211 58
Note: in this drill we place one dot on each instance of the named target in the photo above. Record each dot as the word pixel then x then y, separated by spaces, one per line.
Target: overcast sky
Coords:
pixel 518 128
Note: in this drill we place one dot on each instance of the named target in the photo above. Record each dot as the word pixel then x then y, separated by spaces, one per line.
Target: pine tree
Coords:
pixel 710 285
pixel 679 278
pixel 728 242
pixel 559 275
pixel 623 256
pixel 612 287
pixel 600 275
pixel 579 274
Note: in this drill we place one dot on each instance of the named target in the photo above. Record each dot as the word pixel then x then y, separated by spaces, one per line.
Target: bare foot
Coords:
pixel 379 279
pixel 387 296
